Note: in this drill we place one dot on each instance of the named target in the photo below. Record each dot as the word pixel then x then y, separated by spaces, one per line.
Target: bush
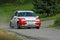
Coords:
pixel 49 7
pixel 41 15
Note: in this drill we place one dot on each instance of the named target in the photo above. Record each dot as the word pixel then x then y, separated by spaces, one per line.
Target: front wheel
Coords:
pixel 18 26
pixel 11 25
pixel 37 27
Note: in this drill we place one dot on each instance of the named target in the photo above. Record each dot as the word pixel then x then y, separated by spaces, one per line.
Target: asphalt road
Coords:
pixel 39 34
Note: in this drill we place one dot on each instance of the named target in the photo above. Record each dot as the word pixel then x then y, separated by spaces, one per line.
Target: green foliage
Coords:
pixel 15 1
pixel 57 21
pixel 42 16
pixel 47 7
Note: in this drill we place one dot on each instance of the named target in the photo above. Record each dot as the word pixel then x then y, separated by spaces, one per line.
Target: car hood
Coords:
pixel 29 18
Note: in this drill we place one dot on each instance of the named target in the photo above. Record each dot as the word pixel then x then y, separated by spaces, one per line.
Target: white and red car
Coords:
pixel 25 19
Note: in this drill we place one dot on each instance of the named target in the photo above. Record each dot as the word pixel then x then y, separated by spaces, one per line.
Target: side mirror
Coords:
pixel 37 16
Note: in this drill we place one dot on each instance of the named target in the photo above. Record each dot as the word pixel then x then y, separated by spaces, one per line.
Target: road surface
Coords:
pixel 39 34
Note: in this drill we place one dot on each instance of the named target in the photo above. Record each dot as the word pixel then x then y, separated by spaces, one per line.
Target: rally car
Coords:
pixel 25 19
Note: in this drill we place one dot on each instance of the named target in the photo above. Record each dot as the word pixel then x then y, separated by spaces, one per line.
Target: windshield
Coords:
pixel 26 14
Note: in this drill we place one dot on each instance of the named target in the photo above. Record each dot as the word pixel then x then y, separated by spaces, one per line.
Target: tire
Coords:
pixel 37 27
pixel 18 26
pixel 29 27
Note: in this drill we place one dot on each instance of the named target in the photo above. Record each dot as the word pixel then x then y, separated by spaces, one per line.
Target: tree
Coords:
pixel 47 7
pixel 15 1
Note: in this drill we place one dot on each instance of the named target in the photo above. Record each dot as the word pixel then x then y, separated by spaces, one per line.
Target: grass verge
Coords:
pixel 50 18
pixel 53 26
pixel 6 36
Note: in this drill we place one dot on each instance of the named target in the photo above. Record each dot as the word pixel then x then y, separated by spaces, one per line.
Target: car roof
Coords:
pixel 25 11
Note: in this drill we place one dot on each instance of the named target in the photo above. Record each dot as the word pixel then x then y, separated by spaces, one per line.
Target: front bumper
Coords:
pixel 31 24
